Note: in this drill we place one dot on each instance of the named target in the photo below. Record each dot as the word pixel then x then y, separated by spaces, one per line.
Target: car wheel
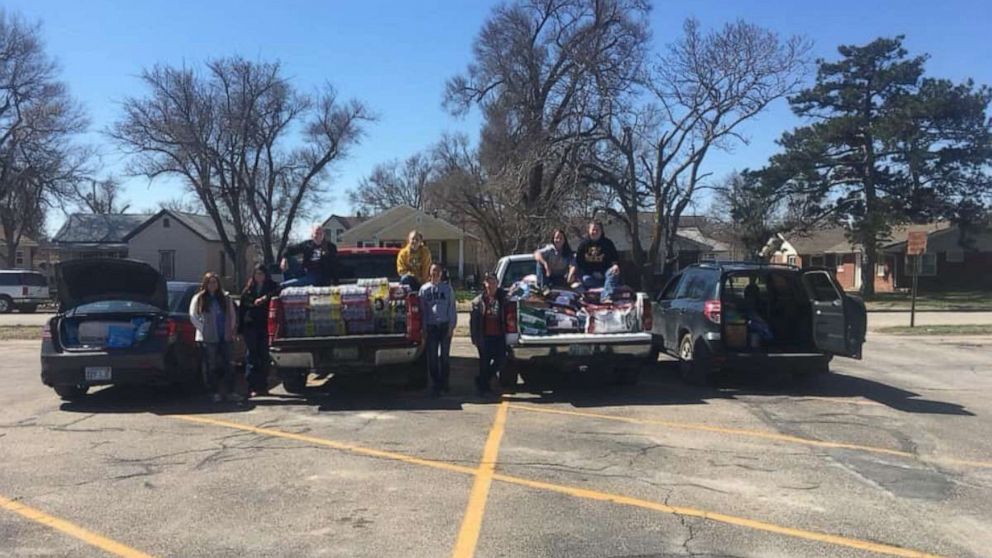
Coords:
pixel 71 393
pixel 29 309
pixel 692 365
pixel 6 304
pixel 294 381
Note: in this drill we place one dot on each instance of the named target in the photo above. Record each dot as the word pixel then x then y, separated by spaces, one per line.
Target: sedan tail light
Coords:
pixel 712 311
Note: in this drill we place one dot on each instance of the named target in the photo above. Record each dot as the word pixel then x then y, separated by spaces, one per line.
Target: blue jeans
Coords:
pixel 309 279
pixel 552 280
pixel 257 357
pixel 438 355
pixel 492 352
pixel 607 281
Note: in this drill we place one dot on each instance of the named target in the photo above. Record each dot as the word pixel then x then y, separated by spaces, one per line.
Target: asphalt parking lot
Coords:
pixel 886 457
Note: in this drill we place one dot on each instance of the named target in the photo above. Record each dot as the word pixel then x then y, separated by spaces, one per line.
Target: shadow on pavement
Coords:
pixel 147 399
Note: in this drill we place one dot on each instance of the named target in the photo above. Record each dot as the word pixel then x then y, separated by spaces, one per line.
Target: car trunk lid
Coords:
pixel 95 280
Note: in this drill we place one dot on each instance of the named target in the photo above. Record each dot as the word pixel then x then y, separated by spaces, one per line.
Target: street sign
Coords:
pixel 916 244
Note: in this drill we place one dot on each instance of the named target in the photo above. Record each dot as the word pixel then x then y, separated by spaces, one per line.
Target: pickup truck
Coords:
pixel 295 356
pixel 530 355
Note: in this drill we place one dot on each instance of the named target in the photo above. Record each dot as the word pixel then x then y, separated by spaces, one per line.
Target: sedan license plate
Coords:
pixel 580 350
pixel 97 373
pixel 346 353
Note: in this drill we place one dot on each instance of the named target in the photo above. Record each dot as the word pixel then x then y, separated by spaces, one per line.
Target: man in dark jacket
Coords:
pixel 320 259
pixel 487 331
pixel 597 263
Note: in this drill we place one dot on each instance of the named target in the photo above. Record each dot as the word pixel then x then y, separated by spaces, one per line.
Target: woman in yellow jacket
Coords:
pixel 413 263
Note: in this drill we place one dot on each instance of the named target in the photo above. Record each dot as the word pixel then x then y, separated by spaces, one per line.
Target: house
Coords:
pixel 448 243
pixel 183 246
pixel 831 248
pixel 954 260
pixel 86 235
pixel 335 226
pixel 24 258
pixel 696 240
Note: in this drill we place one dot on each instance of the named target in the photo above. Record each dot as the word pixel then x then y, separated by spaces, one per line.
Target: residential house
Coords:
pixel 696 240
pixel 832 248
pixel 336 225
pixel 954 260
pixel 86 235
pixel 24 257
pixel 183 246
pixel 458 249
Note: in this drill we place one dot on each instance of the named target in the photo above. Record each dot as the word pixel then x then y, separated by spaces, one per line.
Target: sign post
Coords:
pixel 916 246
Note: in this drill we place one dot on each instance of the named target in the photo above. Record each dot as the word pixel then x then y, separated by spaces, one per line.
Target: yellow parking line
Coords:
pixel 468 535
pixel 753 434
pixel 71 529
pixel 583 493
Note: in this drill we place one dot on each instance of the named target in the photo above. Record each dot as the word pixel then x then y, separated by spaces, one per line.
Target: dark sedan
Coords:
pixel 119 322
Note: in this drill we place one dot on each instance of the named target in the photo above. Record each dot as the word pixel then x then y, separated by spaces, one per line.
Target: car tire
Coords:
pixel 71 393
pixel 693 367
pixel 508 377
pixel 196 380
pixel 6 304
pixel 29 309
pixel 294 381
pixel 814 370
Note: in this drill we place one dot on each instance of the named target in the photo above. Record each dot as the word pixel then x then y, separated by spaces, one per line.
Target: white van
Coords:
pixel 22 289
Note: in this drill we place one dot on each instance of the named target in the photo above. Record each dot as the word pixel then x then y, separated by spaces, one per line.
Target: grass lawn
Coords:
pixel 949 301
pixel 963 329
pixel 10 333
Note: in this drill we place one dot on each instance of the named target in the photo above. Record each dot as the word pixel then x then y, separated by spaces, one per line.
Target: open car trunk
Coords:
pixel 766 311
pixel 108 331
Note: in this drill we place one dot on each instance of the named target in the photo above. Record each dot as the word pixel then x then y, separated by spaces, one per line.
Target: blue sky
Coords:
pixel 396 55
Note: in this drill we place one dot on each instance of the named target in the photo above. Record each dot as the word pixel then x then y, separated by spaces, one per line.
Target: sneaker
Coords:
pixel 216 398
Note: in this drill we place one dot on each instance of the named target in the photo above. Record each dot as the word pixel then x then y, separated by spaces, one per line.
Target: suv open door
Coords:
pixel 838 320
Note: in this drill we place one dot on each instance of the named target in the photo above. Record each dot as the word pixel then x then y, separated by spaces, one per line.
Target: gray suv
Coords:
pixel 721 317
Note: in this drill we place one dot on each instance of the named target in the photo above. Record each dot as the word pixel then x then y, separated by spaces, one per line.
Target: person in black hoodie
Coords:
pixel 597 263
pixel 320 258
pixel 253 319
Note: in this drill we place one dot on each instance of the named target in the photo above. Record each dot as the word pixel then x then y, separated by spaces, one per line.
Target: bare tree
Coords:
pixel 38 120
pixel 102 197
pixel 394 183
pixel 228 133
pixel 543 73
pixel 703 89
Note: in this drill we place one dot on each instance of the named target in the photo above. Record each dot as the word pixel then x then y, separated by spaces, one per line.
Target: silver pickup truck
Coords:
pixel 623 353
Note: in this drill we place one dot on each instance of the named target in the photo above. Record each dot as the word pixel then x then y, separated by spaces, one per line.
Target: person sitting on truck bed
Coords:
pixel 596 263
pixel 413 263
pixel 553 262
pixel 320 257
pixel 439 318
pixel 487 329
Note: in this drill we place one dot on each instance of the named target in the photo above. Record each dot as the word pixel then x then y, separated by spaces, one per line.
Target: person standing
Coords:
pixel 413 263
pixel 439 317
pixel 553 261
pixel 597 264
pixel 212 313
pixel 253 327
pixel 487 330
pixel 320 258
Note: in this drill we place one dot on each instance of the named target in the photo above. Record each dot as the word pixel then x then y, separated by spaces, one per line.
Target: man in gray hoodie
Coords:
pixel 439 317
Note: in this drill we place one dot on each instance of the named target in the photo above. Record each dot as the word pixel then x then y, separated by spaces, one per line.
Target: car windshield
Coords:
pixel 112 307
